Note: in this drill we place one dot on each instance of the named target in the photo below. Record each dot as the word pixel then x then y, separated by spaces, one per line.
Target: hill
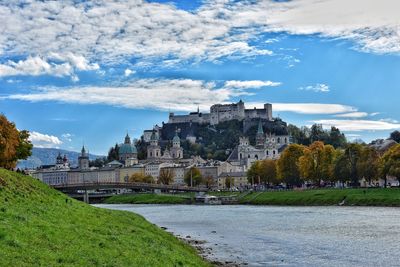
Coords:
pixel 40 226
pixel 47 156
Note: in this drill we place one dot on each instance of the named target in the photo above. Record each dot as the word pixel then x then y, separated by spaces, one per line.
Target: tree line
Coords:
pixel 319 164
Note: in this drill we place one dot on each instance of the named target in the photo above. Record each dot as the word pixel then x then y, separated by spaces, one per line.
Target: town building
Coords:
pixel 268 146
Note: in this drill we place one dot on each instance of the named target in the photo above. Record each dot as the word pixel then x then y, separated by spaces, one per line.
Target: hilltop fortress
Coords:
pixel 224 112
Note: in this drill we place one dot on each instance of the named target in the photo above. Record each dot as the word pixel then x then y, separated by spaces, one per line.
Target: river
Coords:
pixel 285 236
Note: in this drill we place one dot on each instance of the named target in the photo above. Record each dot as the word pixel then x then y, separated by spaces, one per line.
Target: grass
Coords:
pixel 324 197
pixel 40 226
pixel 148 199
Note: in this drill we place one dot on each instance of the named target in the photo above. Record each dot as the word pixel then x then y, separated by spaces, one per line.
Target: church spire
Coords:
pixel 260 128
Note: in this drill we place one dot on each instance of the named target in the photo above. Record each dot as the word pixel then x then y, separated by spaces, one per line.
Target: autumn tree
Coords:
pixel 316 163
pixel 141 178
pixel 268 172
pixel 253 173
pixel 390 163
pixel 166 176
pixel 287 167
pixel 209 181
pixel 368 164
pixel 193 177
pixel 14 144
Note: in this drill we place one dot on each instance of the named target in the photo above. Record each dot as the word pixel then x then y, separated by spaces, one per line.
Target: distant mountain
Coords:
pixel 47 156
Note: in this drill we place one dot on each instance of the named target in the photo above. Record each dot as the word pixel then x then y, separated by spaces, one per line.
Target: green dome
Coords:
pixel 176 139
pixel 127 149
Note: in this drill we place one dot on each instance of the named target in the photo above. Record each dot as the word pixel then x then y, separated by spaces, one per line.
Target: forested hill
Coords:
pixel 47 156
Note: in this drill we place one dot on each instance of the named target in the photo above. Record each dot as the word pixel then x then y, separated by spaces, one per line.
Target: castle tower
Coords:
pixel 83 159
pixel 153 150
pixel 260 138
pixel 268 109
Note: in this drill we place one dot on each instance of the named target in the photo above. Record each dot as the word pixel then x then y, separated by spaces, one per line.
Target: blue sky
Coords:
pixel 76 72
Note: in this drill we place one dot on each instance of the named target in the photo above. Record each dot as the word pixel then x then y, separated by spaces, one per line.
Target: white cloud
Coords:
pixel 356 114
pixel 162 94
pixel 218 29
pixel 359 125
pixel 313 108
pixel 44 140
pixel 319 87
pixel 128 72
pixel 41 66
pixel 250 84
pixel 67 137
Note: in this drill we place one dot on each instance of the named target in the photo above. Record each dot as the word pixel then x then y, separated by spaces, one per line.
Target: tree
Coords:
pixel 193 177
pixel 209 181
pixel 141 178
pixel 353 153
pixel 368 164
pixel 342 169
pixel 395 136
pixel 390 163
pixel 113 153
pixel 336 138
pixel 14 144
pixel 316 163
pixel 288 170
pixel 166 176
pixel 253 173
pixel 228 182
pixel 268 172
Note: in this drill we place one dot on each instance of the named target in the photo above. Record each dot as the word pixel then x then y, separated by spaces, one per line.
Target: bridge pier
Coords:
pixel 86 197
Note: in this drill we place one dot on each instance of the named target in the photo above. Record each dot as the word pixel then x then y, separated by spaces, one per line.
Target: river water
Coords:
pixel 285 236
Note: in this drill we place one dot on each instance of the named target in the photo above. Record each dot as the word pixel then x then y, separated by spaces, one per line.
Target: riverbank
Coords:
pixel 385 197
pixel 388 197
pixel 40 226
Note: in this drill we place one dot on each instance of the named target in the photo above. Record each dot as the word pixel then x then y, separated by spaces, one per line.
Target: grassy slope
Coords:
pixel 371 197
pixel 147 199
pixel 38 228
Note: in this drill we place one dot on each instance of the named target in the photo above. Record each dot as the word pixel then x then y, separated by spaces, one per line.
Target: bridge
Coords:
pixel 126 185
pixel 73 189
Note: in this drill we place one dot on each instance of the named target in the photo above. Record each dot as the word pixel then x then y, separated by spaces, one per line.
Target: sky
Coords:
pixel 80 72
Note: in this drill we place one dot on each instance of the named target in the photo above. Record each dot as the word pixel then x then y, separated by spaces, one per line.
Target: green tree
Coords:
pixel 342 169
pixel 288 169
pixel 395 136
pixel 353 153
pixel 228 182
pixel 193 177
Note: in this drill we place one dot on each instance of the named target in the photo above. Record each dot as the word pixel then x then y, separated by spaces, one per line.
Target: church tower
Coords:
pixel 153 150
pixel 176 150
pixel 83 159
pixel 260 138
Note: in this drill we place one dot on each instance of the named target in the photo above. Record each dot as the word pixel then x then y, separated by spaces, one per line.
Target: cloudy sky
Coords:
pixel 76 72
